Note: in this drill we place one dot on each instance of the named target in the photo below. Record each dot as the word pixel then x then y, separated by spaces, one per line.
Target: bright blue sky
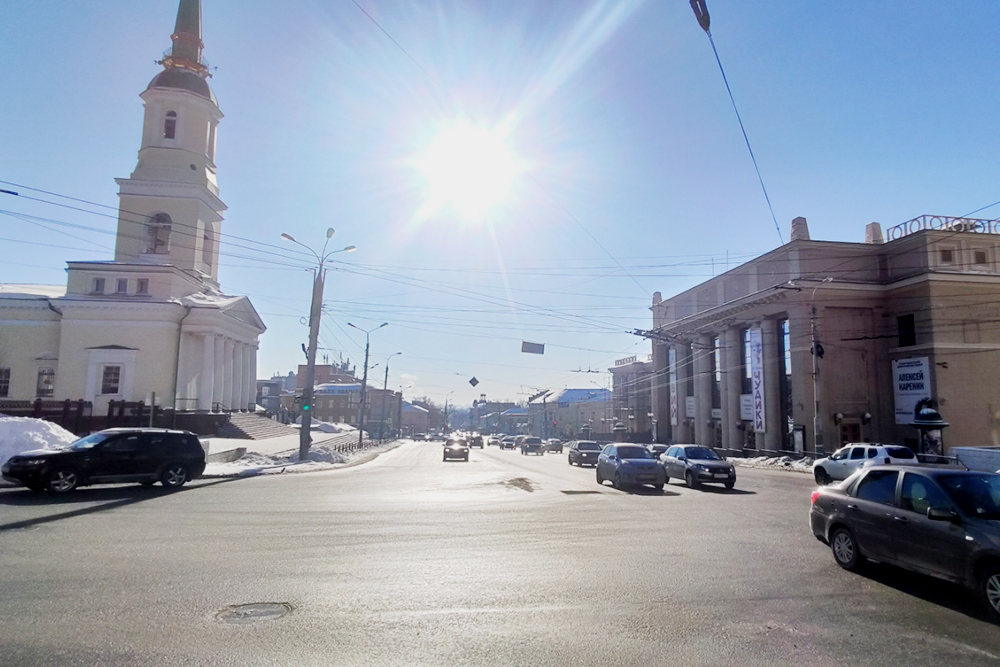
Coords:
pixel 856 111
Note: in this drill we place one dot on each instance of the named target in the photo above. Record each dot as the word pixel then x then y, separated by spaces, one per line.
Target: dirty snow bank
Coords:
pixel 21 434
pixel 320 458
pixel 775 463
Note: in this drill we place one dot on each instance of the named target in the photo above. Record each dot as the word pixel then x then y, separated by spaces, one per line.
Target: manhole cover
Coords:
pixel 256 612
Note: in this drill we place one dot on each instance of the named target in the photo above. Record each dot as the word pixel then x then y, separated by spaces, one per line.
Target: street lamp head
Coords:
pixel 384 324
pixel 351 325
pixel 349 248
pixel 329 232
pixel 289 237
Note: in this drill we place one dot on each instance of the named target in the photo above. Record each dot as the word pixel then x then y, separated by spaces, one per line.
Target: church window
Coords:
pixel 142 286
pixel 170 125
pixel 158 235
pixel 121 286
pixel 111 380
pixel 98 286
pixel 46 382
pixel 4 382
pixel 207 251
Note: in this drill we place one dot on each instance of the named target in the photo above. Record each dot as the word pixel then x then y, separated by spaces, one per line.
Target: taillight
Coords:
pixel 813 497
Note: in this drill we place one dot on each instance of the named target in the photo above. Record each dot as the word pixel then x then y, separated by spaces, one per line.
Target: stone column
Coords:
pixel 227 374
pixel 726 420
pixel 207 381
pixel 250 363
pixel 684 372
pixel 734 371
pixel 220 369
pixel 772 388
pixel 702 351
pixel 660 390
pixel 239 380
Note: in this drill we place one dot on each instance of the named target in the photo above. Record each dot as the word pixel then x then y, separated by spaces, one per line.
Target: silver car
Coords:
pixel 697 465
pixel 629 465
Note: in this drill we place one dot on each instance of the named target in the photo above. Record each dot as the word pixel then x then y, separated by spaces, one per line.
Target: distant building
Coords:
pixel 569 412
pixel 325 374
pixel 632 404
pixel 415 419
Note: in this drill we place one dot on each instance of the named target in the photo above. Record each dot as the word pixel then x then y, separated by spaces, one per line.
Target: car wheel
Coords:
pixel 658 487
pixel 444 458
pixel 989 590
pixel 689 479
pixel 617 481
pixel 730 485
pixel 62 481
pixel 569 460
pixel 600 480
pixel 174 476
pixel 466 459
pixel 822 477
pixel 845 549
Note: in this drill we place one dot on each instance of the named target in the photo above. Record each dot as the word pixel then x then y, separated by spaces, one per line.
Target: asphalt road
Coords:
pixel 505 560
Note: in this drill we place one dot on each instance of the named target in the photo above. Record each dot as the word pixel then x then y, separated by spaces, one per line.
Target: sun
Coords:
pixel 469 170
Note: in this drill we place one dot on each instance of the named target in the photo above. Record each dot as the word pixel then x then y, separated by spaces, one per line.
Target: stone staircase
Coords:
pixel 251 426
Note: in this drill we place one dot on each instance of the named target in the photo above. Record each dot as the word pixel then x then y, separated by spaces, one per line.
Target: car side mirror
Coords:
pixel 943 514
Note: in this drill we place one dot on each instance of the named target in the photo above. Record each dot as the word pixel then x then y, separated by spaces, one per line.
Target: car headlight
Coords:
pixel 31 462
pixel 700 467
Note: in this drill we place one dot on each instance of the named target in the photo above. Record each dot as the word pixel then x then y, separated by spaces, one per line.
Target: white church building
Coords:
pixel 152 323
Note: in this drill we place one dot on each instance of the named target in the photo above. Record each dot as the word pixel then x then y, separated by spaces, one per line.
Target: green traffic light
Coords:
pixel 305 407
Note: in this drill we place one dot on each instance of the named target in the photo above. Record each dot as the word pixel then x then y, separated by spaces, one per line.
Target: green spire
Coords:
pixel 186 51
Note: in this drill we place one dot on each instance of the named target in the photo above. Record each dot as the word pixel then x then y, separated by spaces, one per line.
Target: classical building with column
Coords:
pixel 817 343
pixel 152 324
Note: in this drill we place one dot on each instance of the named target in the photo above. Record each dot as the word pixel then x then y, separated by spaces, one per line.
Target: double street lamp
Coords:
pixel 385 398
pixel 315 312
pixel 364 381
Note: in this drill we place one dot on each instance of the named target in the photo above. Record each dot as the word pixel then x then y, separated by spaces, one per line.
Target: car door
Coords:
pixel 870 511
pixel 855 459
pixel 931 546
pixel 667 460
pixel 115 457
pixel 605 462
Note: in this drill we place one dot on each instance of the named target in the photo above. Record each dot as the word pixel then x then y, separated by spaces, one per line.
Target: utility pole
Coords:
pixel 364 382
pixel 445 427
pixel 817 353
pixel 385 391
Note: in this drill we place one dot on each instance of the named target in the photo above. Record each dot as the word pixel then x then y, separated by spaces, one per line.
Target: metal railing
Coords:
pixel 945 224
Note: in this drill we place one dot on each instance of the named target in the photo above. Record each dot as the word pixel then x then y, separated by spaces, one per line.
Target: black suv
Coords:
pixel 114 456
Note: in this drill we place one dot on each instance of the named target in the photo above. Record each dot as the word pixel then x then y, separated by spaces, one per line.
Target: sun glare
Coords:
pixel 469 170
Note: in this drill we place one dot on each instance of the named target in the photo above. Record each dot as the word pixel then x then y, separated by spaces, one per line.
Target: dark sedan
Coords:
pixel 583 452
pixel 456 448
pixel 697 465
pixel 532 446
pixel 939 521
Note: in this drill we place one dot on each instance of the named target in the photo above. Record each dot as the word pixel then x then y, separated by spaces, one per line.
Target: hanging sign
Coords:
pixel 672 361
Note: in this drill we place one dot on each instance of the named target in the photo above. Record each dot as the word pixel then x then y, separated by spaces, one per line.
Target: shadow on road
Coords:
pixel 942 593
pixel 646 491
pixel 115 497
pixel 727 492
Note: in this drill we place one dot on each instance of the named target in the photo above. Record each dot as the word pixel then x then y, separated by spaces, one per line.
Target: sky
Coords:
pixel 626 171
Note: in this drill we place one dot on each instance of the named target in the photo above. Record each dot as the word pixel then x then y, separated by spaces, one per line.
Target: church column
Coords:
pixel 250 363
pixel 207 381
pixel 772 389
pixel 734 371
pixel 227 374
pixel 702 352
pixel 220 369
pixel 239 386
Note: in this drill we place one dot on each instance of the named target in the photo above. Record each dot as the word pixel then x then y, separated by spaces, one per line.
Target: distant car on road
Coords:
pixel 583 452
pixel 476 441
pixel 658 450
pixel 554 445
pixel 510 442
pixel 850 458
pixel 532 445
pixel 629 465
pixel 494 441
pixel 456 448
pixel 114 456
pixel 939 521
pixel 697 465
pixel 420 437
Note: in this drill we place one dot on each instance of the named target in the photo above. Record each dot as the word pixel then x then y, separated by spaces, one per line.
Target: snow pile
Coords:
pixel 775 462
pixel 320 458
pixel 328 427
pixel 21 434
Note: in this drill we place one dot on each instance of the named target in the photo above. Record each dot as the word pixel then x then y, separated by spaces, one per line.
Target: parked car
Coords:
pixel 532 445
pixel 113 456
pixel 456 448
pixel 658 450
pixel 554 445
pixel 494 441
pixel 508 443
pixel 629 465
pixel 849 458
pixel 420 437
pixel 697 465
pixel 583 452
pixel 940 521
pixel 476 441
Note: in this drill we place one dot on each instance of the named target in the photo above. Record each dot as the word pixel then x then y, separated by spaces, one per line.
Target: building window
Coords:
pixel 111 380
pixel 207 251
pixel 4 382
pixel 98 286
pixel 947 255
pixel 980 258
pixel 46 382
pixel 142 286
pixel 907 330
pixel 170 125
pixel 121 286
pixel 158 235
pixel 786 343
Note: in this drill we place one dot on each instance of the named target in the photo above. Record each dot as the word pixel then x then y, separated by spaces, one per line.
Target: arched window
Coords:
pixel 170 125
pixel 158 235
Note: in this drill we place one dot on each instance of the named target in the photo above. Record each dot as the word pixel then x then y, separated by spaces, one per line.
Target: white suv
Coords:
pixel 849 458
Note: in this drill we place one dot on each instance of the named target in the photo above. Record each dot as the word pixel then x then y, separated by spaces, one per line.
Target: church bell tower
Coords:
pixel 170 212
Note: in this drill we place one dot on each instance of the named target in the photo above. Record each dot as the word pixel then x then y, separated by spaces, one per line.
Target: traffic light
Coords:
pixel 305 406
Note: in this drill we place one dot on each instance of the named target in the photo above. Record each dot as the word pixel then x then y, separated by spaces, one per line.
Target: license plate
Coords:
pixel 722 476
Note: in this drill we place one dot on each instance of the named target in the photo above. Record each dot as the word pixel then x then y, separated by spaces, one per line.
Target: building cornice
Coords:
pixel 134 187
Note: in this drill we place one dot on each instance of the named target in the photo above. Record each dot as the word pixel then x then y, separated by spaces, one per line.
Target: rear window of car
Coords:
pixel 899 452
pixel 532 441
pixel 589 446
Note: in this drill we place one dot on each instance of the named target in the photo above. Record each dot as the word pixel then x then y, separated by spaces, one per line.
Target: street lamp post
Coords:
pixel 315 312
pixel 385 390
pixel 446 411
pixel 364 381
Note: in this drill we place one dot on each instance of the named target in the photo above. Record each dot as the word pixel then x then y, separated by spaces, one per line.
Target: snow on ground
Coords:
pixel 21 434
pixel 774 463
pixel 320 458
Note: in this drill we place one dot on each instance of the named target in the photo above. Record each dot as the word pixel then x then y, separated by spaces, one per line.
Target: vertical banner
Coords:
pixel 672 361
pixel 911 381
pixel 757 379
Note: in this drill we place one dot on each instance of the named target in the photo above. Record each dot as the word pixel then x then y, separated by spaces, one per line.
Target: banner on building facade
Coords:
pixel 746 407
pixel 689 407
pixel 757 379
pixel 911 381
pixel 672 362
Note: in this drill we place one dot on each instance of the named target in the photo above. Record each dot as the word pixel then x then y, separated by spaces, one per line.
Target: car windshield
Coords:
pixel 978 495
pixel 589 446
pixel 701 454
pixel 900 452
pixel 89 442
pixel 634 453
